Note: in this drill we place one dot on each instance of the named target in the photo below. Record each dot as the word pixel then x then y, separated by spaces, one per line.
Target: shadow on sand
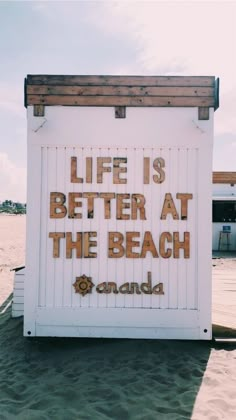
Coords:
pixel 52 378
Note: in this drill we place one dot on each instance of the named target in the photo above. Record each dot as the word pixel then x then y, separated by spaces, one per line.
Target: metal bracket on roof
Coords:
pixel 120 112
pixel 39 110
pixel 203 113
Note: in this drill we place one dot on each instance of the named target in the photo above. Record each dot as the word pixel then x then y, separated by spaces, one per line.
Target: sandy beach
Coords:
pixel 45 378
pixel 12 250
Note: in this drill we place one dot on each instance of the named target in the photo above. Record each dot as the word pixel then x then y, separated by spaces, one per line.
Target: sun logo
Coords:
pixel 83 285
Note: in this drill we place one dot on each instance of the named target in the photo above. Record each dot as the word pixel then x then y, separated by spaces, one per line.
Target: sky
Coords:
pixel 118 38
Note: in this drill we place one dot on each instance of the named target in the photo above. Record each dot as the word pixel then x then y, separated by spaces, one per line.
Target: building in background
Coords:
pixel 224 211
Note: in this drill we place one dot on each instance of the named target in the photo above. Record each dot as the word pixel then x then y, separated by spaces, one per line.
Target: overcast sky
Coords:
pixel 120 37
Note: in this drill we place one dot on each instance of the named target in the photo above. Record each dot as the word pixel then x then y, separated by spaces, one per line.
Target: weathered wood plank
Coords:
pixel 121 80
pixel 224 177
pixel 182 245
pixel 121 101
pixel 89 170
pixel 184 197
pixel 115 248
pixel 107 203
pixel 56 236
pixel 169 208
pixel 117 170
pixel 57 201
pixel 88 243
pixel 132 243
pixel 119 90
pixel 77 245
pixel 146 170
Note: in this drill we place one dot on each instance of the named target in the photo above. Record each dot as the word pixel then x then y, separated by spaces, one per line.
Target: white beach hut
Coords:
pixel 119 206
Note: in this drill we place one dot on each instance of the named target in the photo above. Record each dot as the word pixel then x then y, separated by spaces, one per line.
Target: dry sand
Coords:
pixel 12 250
pixel 107 379
pixel 224 290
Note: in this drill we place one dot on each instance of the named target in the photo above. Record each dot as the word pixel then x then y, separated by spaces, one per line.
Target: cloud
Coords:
pixel 224 152
pixel 122 37
pixel 225 120
pixel 178 36
pixel 11 99
pixel 182 38
pixel 174 37
pixel 13 180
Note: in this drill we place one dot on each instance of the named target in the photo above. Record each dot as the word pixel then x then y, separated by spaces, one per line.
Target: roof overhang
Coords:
pixel 224 198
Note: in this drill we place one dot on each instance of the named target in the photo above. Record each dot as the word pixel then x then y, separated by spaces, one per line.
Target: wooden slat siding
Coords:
pixel 65 80
pixel 224 177
pixel 18 288
pixel 155 101
pixel 19 307
pixel 17 314
pixel 120 90
pixel 115 91
pixel 18 299
pixel 19 291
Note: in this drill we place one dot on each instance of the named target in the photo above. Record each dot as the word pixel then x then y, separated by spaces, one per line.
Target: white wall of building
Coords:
pixel 224 192
pixel 185 143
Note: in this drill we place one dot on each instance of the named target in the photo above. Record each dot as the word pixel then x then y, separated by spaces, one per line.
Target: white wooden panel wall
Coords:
pixel 224 190
pixel 18 294
pixel 176 135
pixel 57 275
